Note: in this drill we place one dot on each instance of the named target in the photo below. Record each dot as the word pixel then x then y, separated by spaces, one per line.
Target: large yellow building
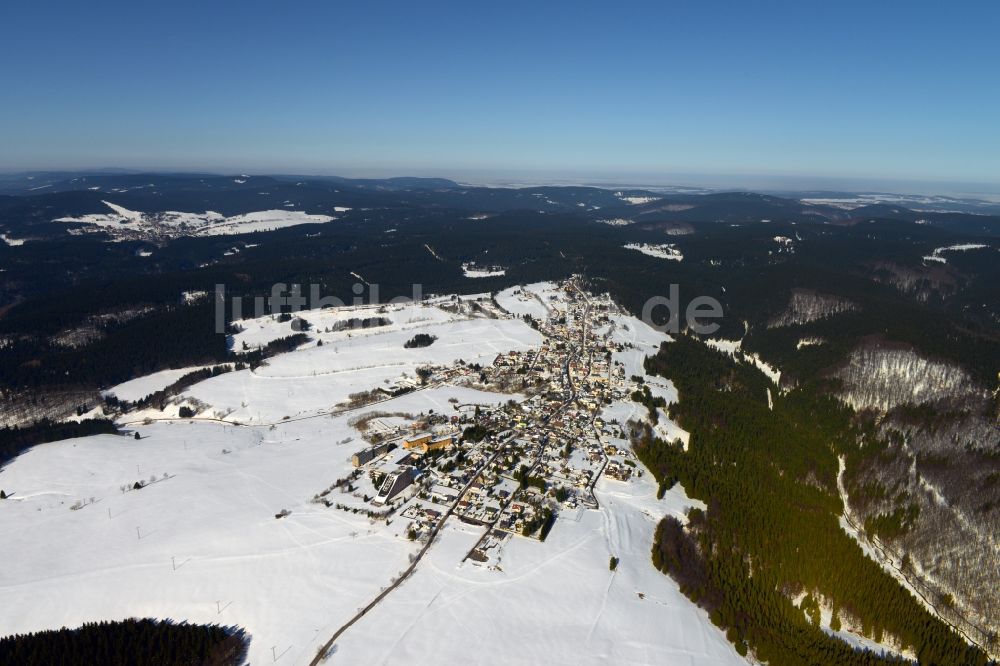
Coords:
pixel 427 442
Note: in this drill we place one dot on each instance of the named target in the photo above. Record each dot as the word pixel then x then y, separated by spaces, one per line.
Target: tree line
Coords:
pixel 771 530
pixel 126 643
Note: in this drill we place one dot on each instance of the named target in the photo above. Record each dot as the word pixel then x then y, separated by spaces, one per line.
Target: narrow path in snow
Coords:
pixel 324 650
pixel 321 654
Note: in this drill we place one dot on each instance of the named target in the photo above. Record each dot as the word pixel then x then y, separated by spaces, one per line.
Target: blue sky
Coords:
pixel 879 90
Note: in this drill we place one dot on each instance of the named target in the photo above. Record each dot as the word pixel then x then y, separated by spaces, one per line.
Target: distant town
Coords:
pixel 513 468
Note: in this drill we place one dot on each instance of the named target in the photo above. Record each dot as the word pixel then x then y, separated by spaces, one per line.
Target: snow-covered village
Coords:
pixel 446 473
pixel 486 333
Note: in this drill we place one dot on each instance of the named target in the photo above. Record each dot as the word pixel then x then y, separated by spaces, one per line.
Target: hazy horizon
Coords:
pixel 790 183
pixel 882 95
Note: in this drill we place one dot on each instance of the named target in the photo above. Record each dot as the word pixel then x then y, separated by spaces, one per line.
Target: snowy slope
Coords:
pixel 285 580
pixel 554 602
pixel 315 379
pixel 533 299
pixel 201 542
pixel 661 251
pixel 140 387
pixel 125 223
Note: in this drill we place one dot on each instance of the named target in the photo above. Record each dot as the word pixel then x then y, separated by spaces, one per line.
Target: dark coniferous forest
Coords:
pixel 127 643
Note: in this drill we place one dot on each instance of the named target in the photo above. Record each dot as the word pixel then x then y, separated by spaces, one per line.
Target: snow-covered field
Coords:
pixel 645 341
pixel 202 545
pixel 533 299
pixel 661 251
pixel 200 542
pixel 210 223
pixel 140 387
pixel 316 378
pixel 636 200
pixel 938 254
pixel 551 603
pixel 473 271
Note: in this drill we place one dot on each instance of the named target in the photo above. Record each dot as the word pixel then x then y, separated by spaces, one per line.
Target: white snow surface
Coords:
pixel 140 387
pixel 286 581
pixel 533 299
pixel 731 347
pixel 202 544
pixel 209 223
pixel 636 200
pixel 314 379
pixel 660 251
pixel 646 341
pixel 882 378
pixel 554 602
pixel 473 271
pixel 961 247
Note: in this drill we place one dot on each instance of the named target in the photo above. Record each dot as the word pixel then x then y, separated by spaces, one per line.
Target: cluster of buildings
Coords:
pixel 514 467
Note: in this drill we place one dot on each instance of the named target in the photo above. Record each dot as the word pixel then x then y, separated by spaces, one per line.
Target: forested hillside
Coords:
pixel 769 552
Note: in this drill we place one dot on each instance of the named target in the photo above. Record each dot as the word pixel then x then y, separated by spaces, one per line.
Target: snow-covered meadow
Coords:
pixel 316 378
pixel 555 602
pixel 938 253
pixel 201 542
pixel 660 251
pixel 122 221
pixel 476 271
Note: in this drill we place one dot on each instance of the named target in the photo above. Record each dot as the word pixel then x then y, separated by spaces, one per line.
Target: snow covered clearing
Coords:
pixel 785 244
pixel 643 341
pixel 315 379
pixel 733 348
pixel 661 251
pixel 140 387
pixel 201 545
pixel 259 331
pixel 533 299
pixel 474 271
pixel 265 220
pixel 962 247
pixel 636 200
pixel 196 296
pixel 123 212
pixel 127 223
